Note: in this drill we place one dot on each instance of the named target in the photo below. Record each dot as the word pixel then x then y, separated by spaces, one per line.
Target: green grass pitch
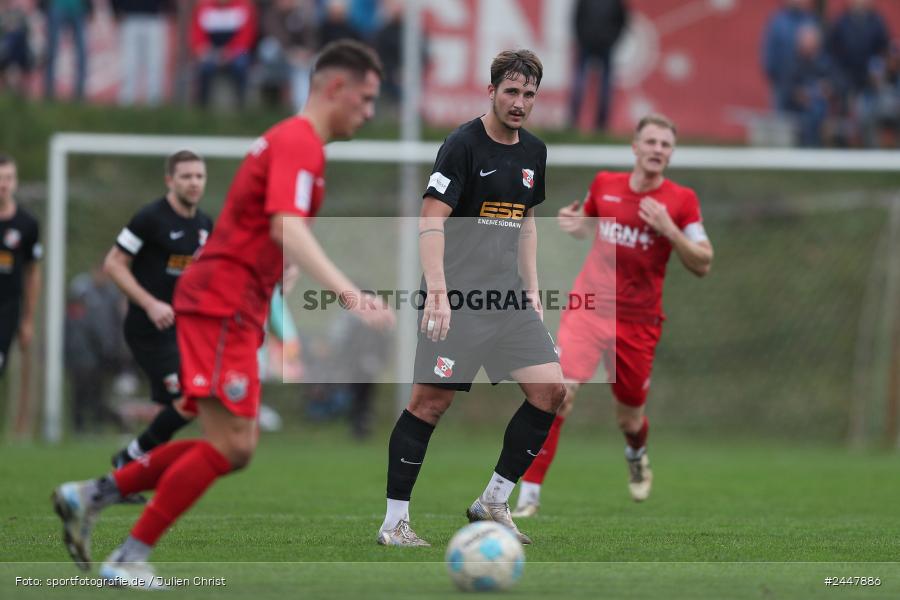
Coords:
pixel 727 519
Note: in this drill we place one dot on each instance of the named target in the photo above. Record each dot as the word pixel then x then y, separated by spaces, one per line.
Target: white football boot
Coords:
pixel 529 509
pixel 640 477
pixel 401 535
pixel 495 511
pixel 72 504
pixel 137 575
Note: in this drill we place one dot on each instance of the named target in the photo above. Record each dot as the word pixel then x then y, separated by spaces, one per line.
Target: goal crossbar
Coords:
pixel 364 151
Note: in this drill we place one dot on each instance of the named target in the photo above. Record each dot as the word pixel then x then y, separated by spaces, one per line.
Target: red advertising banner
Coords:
pixel 697 61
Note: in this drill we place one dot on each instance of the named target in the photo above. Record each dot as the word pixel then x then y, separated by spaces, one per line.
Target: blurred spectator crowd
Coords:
pixel 837 82
pixel 834 81
pixel 264 46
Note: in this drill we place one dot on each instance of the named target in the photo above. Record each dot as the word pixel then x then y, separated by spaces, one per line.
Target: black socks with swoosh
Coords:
pixel 406 453
pixel 523 440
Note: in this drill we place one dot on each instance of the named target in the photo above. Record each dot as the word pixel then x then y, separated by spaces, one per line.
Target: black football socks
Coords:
pixel 406 453
pixel 523 440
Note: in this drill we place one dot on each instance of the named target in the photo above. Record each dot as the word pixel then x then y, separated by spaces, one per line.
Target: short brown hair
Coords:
pixel 657 119
pixel 180 157
pixel 351 55
pixel 510 63
pixel 6 159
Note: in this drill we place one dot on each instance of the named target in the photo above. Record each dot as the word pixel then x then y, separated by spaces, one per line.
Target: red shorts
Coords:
pixel 584 339
pixel 218 360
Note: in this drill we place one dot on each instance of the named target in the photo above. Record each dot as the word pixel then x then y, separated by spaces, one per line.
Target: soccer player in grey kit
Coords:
pixel 477 235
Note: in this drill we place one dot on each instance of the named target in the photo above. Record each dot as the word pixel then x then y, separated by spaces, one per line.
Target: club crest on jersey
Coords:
pixel 528 178
pixel 202 235
pixel 171 383
pixel 200 381
pixel 11 238
pixel 235 386
pixel 444 367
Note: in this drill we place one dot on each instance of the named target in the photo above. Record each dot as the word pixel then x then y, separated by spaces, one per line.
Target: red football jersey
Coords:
pixel 641 254
pixel 236 271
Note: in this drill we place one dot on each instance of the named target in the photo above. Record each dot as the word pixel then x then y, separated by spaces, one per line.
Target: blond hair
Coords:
pixel 657 119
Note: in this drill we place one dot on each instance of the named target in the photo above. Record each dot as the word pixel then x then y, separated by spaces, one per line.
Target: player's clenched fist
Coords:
pixel 656 216
pixel 570 218
pixel 161 314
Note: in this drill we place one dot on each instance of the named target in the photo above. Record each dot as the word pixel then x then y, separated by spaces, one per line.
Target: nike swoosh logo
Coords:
pixel 407 462
pixel 485 174
pixel 174 235
pixel 530 453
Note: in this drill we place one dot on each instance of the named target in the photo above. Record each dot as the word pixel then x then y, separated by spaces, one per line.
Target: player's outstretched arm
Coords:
pixel 117 265
pixel 572 220
pixel 436 313
pixel 695 255
pixel 303 250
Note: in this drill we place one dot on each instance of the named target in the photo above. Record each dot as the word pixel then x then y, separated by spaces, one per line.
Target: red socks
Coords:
pixel 180 485
pixel 638 439
pixel 143 473
pixel 538 469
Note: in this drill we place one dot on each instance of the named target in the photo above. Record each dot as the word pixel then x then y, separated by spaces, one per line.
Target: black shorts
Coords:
pixel 9 327
pixel 501 342
pixel 157 355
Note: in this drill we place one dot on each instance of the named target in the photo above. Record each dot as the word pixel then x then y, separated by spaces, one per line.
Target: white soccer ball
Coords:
pixel 485 556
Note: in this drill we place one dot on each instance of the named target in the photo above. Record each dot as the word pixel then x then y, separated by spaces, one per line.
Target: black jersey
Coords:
pixel 19 246
pixel 490 187
pixel 162 243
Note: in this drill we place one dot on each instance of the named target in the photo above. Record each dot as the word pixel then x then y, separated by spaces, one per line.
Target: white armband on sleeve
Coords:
pixel 303 190
pixel 695 232
pixel 129 241
pixel 439 182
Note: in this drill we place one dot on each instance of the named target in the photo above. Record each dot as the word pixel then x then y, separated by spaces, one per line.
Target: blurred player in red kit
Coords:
pixel 221 304
pixel 644 216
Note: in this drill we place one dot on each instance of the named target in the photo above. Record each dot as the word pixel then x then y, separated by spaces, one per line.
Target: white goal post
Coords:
pixel 395 152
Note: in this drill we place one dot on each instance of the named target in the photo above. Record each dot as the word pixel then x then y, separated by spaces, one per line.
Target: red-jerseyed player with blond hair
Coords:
pixel 221 303
pixel 653 216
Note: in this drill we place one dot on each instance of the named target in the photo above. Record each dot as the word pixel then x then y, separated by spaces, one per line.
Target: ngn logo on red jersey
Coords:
pixel 625 235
